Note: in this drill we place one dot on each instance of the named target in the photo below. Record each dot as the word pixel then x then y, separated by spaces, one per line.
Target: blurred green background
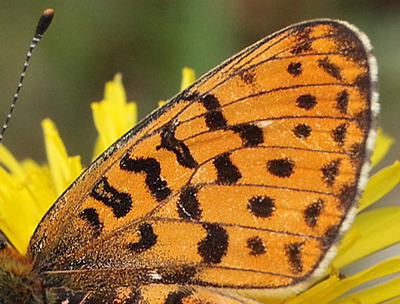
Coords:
pixel 150 42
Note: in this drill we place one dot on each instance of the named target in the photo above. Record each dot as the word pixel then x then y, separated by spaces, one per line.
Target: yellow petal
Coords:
pixel 113 116
pixel 188 77
pixel 63 169
pixel 25 195
pixel 376 294
pixel 316 293
pixel 370 232
pixel 383 143
pixel 333 287
pixel 380 184
pixel 385 268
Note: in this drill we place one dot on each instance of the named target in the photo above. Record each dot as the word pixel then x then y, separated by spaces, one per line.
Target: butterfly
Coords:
pixel 243 181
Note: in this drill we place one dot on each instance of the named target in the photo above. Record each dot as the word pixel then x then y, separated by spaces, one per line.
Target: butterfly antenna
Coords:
pixel 41 28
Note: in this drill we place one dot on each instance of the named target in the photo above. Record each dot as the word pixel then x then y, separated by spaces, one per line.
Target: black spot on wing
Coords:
pixel 91 216
pixel 294 69
pixel 330 68
pixel 214 246
pixel 151 167
pixel 215 120
pixel 282 168
pixel 342 100
pixel 339 134
pixel 312 212
pixel 170 143
pixel 261 206
pixel 248 76
pixel 256 246
pixel 306 102
pixel 293 255
pixel 119 202
pixel 210 102
pixel 187 205
pixel 302 131
pixel 147 239
pixel 213 117
pixel 251 135
pixel 227 172
pixel 330 171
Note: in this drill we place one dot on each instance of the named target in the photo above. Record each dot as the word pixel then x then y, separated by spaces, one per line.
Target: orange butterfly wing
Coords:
pixel 244 180
pixel 153 294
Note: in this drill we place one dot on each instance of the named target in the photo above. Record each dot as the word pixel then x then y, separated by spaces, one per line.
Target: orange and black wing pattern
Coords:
pixel 245 180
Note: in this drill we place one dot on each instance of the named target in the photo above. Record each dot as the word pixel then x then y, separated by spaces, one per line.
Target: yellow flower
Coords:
pixel 112 116
pixel 28 189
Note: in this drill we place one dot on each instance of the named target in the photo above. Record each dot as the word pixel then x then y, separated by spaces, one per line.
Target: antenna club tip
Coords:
pixel 48 12
pixel 44 22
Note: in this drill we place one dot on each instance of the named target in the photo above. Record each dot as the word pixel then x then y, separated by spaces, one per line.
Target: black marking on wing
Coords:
pixel 342 100
pixel 227 172
pixel 306 102
pixel 120 202
pixel 187 205
pixel 330 171
pixel 294 69
pixel 293 255
pixel 312 212
pixel 282 168
pixel 215 245
pixel 251 135
pixel 147 239
pixel 91 216
pixel 215 120
pixel 152 169
pixel 178 147
pixel 339 134
pixel 256 246
pixel 330 68
pixel 261 206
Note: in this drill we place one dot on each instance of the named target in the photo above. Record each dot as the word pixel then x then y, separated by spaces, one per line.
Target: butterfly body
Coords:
pixel 244 181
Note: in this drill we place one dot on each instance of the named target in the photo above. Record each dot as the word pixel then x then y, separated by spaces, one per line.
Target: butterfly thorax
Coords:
pixel 19 282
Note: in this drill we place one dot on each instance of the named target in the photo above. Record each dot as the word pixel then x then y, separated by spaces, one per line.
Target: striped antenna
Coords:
pixel 41 28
